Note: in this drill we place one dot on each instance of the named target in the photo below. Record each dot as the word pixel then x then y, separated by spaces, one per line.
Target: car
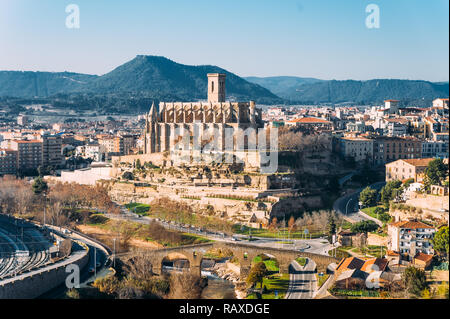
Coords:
pixel 91 269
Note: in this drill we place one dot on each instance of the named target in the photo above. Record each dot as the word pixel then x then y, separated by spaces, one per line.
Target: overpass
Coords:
pixel 243 252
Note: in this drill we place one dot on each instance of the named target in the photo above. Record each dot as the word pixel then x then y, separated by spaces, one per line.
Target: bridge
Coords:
pixel 245 253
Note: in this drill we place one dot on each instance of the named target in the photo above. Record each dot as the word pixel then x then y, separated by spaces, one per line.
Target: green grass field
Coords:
pixel 276 282
pixel 371 250
pixel 138 208
pixel 371 212
pixel 271 264
pixel 301 261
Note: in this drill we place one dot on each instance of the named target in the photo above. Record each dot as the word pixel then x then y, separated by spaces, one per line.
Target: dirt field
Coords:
pixel 376 240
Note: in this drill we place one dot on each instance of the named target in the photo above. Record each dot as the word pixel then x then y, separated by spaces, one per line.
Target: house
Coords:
pixel 422 260
pixel 348 238
pixel 357 273
pixel 404 169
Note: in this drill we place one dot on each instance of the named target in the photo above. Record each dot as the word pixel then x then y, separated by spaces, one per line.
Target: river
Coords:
pixel 217 288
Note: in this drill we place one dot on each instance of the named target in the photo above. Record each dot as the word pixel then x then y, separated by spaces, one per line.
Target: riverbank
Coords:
pixel 229 271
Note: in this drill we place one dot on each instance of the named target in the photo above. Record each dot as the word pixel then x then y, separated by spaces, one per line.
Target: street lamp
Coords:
pixel 45 206
pixel 346 206
pixel 114 255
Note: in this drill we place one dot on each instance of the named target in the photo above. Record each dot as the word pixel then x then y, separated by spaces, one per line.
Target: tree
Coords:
pixel 274 224
pixel 333 185
pixel 436 172
pixel 39 185
pixel 368 197
pixel 441 241
pixel 408 182
pixel 390 191
pixel 331 228
pixel 291 223
pixel 186 286
pixel 257 274
pixel 128 176
pixel 138 164
pixel 364 226
pixel 414 280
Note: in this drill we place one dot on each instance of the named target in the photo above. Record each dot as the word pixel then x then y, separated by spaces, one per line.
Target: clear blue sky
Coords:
pixel 326 39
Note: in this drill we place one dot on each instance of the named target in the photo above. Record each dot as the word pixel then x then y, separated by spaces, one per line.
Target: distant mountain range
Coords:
pixel 312 91
pixel 150 76
pixel 132 86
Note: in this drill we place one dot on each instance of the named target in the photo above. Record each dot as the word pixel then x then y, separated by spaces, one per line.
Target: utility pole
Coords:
pixel 45 206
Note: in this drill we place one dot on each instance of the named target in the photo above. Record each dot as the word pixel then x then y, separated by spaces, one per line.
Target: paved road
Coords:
pixel 348 205
pixel 318 245
pixel 303 282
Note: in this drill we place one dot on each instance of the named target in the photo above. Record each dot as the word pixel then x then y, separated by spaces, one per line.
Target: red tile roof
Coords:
pixel 424 257
pixel 350 263
pixel 408 224
pixel 374 264
pixel 310 120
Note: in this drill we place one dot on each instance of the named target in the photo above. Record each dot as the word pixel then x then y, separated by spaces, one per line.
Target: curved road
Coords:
pixel 348 205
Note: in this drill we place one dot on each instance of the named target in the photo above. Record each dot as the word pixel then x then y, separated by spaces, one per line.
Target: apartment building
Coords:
pixel 8 161
pixel 410 238
pixel 435 149
pixel 387 149
pixel 407 168
pixel 359 148
pixel 129 142
pixel 29 153
pixel 396 129
pixel 52 150
pixel 113 144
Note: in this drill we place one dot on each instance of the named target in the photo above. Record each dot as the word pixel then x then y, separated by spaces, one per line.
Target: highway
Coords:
pixel 348 205
pixel 303 282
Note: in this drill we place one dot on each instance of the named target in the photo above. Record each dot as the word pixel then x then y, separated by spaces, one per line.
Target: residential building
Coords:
pixel 387 149
pixel 353 272
pixel 392 106
pixel 440 103
pixel 359 148
pixel 435 149
pixel 52 150
pixel 396 129
pixel 410 238
pixel 29 153
pixel 8 161
pixel 129 142
pixel 404 169
pixel 22 120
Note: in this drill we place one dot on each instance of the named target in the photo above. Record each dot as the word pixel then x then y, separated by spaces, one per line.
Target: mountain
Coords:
pixel 281 85
pixel 144 76
pixel 410 92
pixel 41 84
pixel 133 86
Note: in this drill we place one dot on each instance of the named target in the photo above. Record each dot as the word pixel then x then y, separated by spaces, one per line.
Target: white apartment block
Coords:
pixel 410 238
